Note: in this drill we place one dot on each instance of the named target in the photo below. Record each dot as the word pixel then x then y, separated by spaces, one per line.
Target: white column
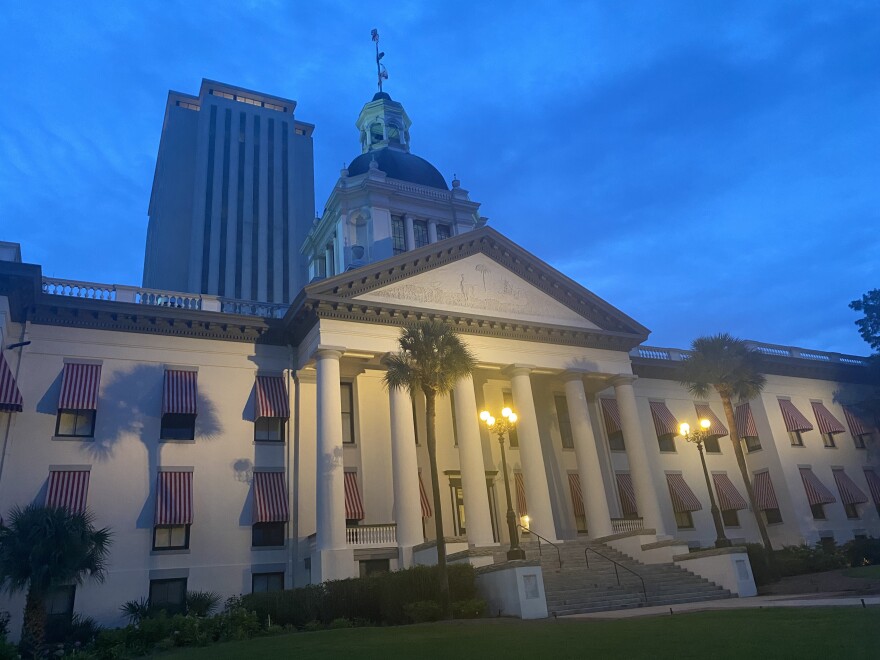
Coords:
pixel 330 480
pixel 405 473
pixel 432 231
pixel 532 458
pixel 592 485
pixel 410 232
pixel 473 470
pixel 637 454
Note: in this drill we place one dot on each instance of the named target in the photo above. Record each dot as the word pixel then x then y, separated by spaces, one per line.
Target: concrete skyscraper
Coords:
pixel 233 196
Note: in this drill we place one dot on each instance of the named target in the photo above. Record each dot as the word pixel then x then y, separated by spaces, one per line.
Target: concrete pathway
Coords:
pixel 756 602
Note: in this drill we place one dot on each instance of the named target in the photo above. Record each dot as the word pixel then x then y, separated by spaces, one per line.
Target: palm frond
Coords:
pixel 725 364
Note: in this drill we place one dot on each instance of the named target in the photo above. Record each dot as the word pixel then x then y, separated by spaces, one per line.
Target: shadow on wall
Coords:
pixel 864 400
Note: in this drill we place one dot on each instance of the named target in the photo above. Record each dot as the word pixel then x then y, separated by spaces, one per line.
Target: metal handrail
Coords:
pixel 541 538
pixel 616 573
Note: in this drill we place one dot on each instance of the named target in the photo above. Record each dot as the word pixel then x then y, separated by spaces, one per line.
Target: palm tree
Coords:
pixel 727 365
pixel 45 547
pixel 432 359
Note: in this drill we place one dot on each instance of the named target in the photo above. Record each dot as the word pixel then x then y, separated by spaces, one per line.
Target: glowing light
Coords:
pixel 484 415
pixel 506 412
pixel 525 521
pixel 491 421
pixel 705 423
pixel 512 418
pixel 684 429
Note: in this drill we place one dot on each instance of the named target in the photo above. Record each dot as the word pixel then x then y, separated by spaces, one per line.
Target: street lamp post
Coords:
pixel 501 427
pixel 698 437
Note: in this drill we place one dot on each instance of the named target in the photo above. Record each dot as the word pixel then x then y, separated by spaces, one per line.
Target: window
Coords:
pixel 420 232
pixel 861 440
pixel 852 511
pixel 168 595
pixel 666 441
pixel 772 516
pixel 393 133
pixel 454 423
pixel 398 234
pixel 171 537
pixel 59 612
pixel 684 520
pixel 828 439
pixel 818 511
pixel 828 544
pixel 753 443
pixel 730 518
pixel 564 421
pixel 797 440
pixel 330 261
pixel 580 522
pixel 178 426
pixel 75 424
pixel 269 429
pixel 319 267
pixel 443 232
pixel 615 441
pixel 347 391
pixel 374 566
pixel 711 445
pixel 512 434
pixel 266 582
pixel 267 534
pixel 458 507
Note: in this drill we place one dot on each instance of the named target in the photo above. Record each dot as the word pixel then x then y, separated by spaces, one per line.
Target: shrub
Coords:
pixel 801 559
pixel 201 603
pixel 473 608
pixel 423 611
pixel 761 569
pixel 336 624
pixel 862 552
pixel 137 610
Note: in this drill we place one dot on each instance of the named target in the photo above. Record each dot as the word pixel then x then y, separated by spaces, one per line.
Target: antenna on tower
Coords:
pixel 381 71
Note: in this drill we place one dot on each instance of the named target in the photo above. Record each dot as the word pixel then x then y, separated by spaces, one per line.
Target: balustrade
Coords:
pixel 620 525
pixel 378 535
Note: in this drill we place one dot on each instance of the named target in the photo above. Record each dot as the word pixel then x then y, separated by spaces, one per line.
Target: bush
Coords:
pixel 336 624
pixel 201 603
pixel 801 559
pixel 862 552
pixel 473 608
pixel 423 611
pixel 761 569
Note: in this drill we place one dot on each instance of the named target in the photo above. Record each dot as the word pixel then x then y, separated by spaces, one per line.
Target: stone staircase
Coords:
pixel 578 588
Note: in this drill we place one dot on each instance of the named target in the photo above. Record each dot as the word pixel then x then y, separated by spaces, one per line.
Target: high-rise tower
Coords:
pixel 233 196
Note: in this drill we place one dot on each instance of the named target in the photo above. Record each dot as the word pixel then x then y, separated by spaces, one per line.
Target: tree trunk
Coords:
pixel 33 630
pixel 430 415
pixel 744 470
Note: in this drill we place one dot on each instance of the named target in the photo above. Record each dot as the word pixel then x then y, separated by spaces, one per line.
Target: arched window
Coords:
pixel 377 132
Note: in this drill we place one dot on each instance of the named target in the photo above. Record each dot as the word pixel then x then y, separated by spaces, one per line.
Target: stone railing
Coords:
pixel 773 350
pixel 250 308
pixel 620 525
pixel 375 535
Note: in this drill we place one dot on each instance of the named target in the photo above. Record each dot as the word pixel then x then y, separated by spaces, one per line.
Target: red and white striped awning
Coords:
pixel 68 489
pixel 794 420
pixel 745 423
pixel 683 498
pixel 521 504
pixel 857 425
pixel 577 498
pixel 79 386
pixel 664 421
pixel 873 484
pixel 849 492
pixel 354 505
pixel 816 491
pixel 627 493
pixel 10 396
pixel 270 497
pixel 272 398
pixel 181 391
pixel 611 413
pixel 426 502
pixel 827 422
pixel 729 498
pixel 174 498
pixel 705 412
pixel 765 496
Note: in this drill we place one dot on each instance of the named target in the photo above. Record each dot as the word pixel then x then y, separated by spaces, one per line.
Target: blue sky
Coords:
pixel 704 167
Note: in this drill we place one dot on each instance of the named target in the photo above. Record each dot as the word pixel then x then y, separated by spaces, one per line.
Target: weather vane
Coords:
pixel 381 71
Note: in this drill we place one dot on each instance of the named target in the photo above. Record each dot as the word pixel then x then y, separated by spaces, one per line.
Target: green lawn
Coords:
pixel 868 572
pixel 800 633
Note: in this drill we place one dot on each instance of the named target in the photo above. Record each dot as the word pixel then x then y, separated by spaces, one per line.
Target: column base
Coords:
pixel 405 556
pixel 333 565
pixel 516 554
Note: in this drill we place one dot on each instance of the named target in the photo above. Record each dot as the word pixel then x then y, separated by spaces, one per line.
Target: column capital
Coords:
pixel 623 379
pixel 306 376
pixel 331 352
pixel 572 374
pixel 518 369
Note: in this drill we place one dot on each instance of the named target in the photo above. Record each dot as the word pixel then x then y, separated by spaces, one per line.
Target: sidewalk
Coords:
pixel 756 602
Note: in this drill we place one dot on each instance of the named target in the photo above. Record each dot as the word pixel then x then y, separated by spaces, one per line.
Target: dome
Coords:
pixel 399 165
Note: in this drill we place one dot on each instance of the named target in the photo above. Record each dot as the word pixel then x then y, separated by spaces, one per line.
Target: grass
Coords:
pixel 800 633
pixel 867 572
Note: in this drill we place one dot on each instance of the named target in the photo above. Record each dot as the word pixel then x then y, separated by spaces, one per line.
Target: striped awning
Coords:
pixel 270 497
pixel 729 498
pixel 683 498
pixel 849 492
pixel 794 420
pixel 79 386
pixel 10 396
pixel 521 505
pixel 354 505
pixel 174 498
pixel 765 496
pixel 664 421
pixel 68 489
pixel 426 502
pixel 705 412
pixel 745 423
pixel 272 398
pixel 577 498
pixel 827 422
pixel 816 491
pixel 857 425
pixel 180 392
pixel 627 494
pixel 873 484
pixel 611 413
